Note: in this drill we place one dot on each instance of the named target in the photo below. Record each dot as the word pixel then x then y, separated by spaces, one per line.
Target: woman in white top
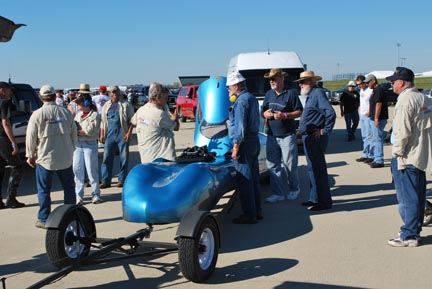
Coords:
pixel 85 157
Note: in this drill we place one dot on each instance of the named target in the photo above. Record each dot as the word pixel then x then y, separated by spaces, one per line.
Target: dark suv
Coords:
pixel 26 100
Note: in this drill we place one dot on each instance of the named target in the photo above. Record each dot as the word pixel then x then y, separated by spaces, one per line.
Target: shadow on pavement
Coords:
pixel 304 285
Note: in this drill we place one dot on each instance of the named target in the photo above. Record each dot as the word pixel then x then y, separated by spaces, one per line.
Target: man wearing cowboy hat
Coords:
pixel 316 123
pixel 280 107
pixel 243 127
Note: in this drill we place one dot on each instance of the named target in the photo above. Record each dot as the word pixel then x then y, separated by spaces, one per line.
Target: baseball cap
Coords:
pixel 402 73
pixel 113 88
pixel 46 90
pixel 369 77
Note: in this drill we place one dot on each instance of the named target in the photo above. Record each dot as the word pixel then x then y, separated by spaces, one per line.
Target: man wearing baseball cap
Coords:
pixel 411 155
pixel 100 99
pixel 51 139
pixel 243 130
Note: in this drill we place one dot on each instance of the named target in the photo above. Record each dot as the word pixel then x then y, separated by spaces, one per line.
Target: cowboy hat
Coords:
pixel 275 71
pixel 308 74
pixel 84 88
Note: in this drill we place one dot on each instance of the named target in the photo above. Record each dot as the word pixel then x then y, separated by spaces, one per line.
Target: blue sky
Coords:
pixel 66 43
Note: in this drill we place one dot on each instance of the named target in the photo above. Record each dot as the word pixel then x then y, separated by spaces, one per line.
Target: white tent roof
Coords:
pixel 425 74
pixel 380 74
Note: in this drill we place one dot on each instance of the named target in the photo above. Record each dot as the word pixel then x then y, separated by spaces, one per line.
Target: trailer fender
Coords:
pixel 58 214
pixel 191 222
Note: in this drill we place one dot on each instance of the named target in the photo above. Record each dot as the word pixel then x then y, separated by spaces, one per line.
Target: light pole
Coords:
pixel 338 64
pixel 403 59
pixel 398 53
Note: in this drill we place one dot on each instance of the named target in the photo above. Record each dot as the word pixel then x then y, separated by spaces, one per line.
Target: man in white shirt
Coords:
pixel 365 94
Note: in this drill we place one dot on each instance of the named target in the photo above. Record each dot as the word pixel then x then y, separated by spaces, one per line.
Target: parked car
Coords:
pixel 26 100
pixel 187 101
pixel 427 92
pixel 336 95
pixel 391 96
pixel 172 99
pixel 327 93
pixel 142 99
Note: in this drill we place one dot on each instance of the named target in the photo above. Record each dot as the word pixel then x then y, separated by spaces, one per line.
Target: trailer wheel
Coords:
pixel 427 220
pixel 427 214
pixel 198 255
pixel 71 240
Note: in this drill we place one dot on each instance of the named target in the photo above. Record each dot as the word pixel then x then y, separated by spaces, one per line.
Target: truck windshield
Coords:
pixel 258 85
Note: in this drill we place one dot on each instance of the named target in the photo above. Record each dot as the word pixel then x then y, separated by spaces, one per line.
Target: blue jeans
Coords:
pixel 351 122
pixel 44 182
pixel 85 158
pixel 378 140
pixel 366 132
pixel 112 141
pixel 317 168
pixel 248 177
pixel 282 162
pixel 410 186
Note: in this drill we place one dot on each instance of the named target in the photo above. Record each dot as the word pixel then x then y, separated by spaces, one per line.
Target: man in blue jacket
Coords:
pixel 316 123
pixel 243 129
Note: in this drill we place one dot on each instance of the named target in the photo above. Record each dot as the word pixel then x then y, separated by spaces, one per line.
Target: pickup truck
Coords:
pixel 187 101
pixel 187 97
pixel 26 100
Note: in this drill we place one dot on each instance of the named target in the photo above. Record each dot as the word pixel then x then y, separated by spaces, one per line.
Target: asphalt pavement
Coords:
pixel 344 247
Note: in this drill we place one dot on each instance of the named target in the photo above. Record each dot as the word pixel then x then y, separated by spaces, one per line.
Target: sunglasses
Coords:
pixel 272 79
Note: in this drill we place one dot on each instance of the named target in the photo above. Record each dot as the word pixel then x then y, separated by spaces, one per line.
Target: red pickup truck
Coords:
pixel 187 101
pixel 187 98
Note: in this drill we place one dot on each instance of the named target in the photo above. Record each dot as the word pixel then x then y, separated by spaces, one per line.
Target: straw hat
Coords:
pixel 308 74
pixel 84 88
pixel 275 71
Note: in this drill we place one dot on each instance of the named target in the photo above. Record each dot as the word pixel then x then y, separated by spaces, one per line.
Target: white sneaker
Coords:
pixel 79 201
pixel 275 198
pixel 398 242
pixel 97 200
pixel 293 195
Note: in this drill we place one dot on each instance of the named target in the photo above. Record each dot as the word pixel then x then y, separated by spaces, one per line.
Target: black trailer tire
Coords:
pixel 427 220
pixel 62 246
pixel 427 214
pixel 198 255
